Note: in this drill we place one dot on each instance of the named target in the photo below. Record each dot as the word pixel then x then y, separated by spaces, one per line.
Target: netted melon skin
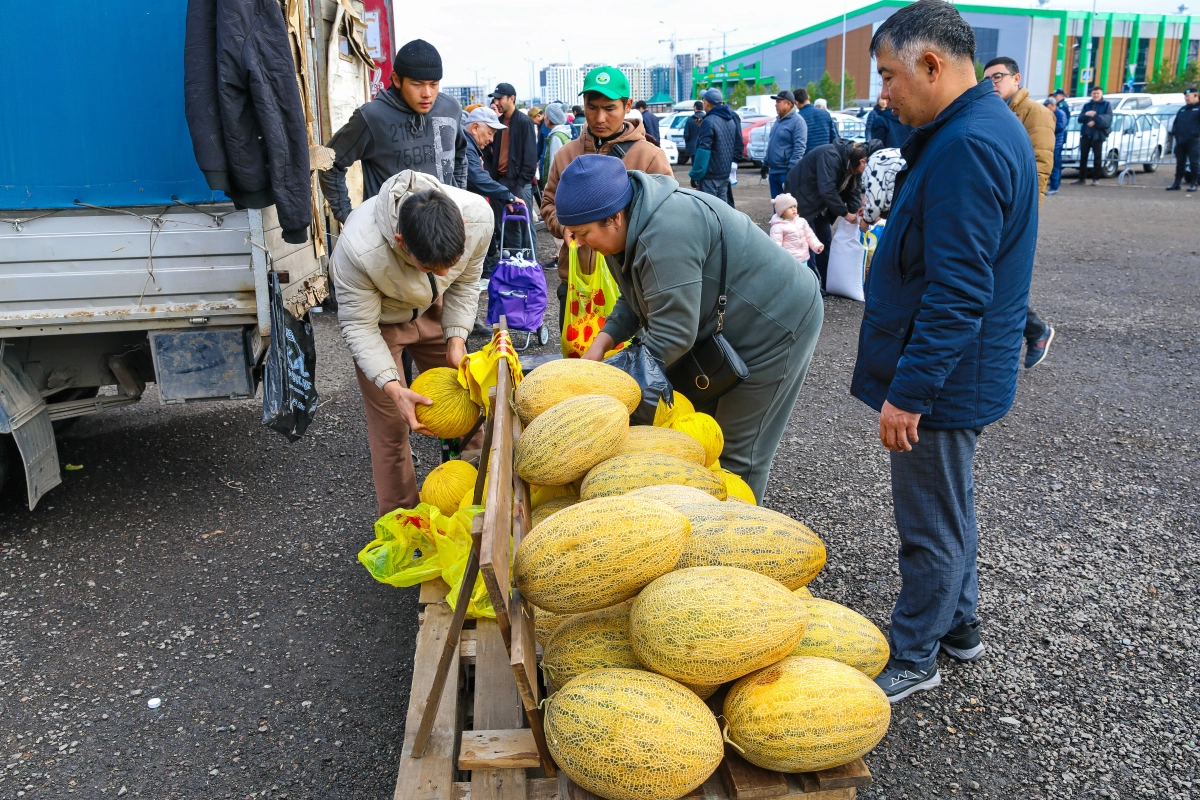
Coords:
pixel 709 625
pixel 598 553
pixel 626 734
pixel 805 714
pixel 665 441
pixel 453 413
pixel 446 484
pixel 555 381
pixel 803 592
pixel 673 494
pixel 550 507
pixel 842 634
pixel 540 494
pixel 623 474
pixel 753 538
pixel 545 623
pixel 570 438
pixel 592 640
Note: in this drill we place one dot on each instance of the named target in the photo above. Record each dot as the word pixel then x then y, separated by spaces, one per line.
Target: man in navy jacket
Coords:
pixel 941 337
pixel 1095 120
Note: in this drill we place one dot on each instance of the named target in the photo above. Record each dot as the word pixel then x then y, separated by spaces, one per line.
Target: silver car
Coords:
pixel 849 127
pixel 1135 138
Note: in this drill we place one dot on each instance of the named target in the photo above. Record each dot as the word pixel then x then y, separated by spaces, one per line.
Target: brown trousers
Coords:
pixel 387 432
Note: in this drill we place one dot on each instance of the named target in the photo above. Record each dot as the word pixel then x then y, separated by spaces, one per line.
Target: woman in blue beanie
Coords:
pixel 663 245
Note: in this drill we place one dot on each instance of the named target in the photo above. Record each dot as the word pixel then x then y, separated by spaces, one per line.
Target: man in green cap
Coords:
pixel 606 101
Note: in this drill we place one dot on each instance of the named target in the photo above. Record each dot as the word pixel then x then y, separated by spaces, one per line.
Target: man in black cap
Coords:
pixel 789 138
pixel 411 125
pixel 1186 130
pixel 512 160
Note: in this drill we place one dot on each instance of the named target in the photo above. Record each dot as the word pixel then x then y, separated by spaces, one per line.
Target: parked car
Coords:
pixel 1166 115
pixel 1135 138
pixel 849 127
pixel 1122 101
pixel 670 149
pixel 749 125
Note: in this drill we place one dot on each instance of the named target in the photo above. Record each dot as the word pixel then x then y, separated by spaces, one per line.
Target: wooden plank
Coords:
pixel 805 786
pixel 522 508
pixel 497 760
pixel 462 791
pixel 523 660
pixel 430 777
pixel 567 790
pixel 494 553
pixel 433 591
pixel 745 781
pixel 535 789
pixel 498 751
pixel 466 647
pixel 853 774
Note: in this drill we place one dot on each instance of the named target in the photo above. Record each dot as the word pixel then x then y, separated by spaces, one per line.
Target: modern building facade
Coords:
pixel 1073 50
pixel 467 95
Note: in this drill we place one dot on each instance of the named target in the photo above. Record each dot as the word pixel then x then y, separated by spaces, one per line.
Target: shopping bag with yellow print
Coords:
pixel 590 299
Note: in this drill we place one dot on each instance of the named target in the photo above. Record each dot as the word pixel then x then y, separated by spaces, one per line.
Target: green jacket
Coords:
pixel 670 272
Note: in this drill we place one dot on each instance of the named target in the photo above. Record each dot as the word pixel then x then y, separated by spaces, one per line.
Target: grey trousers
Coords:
pixel 717 187
pixel 754 416
pixel 933 492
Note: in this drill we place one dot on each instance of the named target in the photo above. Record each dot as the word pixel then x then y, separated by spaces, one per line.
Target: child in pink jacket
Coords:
pixel 791 231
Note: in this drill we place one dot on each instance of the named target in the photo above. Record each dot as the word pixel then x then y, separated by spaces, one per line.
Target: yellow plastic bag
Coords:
pixel 454 547
pixel 590 299
pixel 479 371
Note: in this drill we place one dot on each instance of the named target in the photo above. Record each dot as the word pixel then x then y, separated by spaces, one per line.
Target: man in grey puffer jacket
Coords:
pixel 411 125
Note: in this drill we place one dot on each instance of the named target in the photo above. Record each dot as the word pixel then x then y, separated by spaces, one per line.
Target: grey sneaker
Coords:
pixel 899 682
pixel 963 642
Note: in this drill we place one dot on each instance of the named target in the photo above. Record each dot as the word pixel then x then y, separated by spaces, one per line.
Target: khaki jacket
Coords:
pixel 642 156
pixel 377 283
pixel 1039 124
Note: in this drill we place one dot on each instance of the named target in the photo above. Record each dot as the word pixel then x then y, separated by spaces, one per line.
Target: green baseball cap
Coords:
pixel 608 81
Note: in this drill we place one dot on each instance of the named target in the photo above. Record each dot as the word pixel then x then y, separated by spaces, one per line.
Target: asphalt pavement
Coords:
pixel 199 559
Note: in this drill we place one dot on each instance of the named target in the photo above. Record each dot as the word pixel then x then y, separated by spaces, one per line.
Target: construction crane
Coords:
pixel 672 42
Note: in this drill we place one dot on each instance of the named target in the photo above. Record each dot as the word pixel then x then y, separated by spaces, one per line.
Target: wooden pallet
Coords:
pixel 487 741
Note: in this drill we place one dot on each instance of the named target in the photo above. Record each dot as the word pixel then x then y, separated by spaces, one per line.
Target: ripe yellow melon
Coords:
pixel 753 538
pixel 555 381
pixel 673 494
pixel 841 634
pixel 540 494
pixel 550 507
pixel 593 640
pixel 664 414
pixel 803 592
pixel 706 625
pixel 626 734
pixel 570 438
pixel 545 623
pixel 598 553
pixel 453 413
pixel 446 484
pixel 806 714
pixel 705 430
pixel 623 474
pixel 737 488
pixel 648 439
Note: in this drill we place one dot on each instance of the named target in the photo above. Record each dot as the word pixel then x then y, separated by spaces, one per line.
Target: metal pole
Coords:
pixel 1087 62
pixel 842 79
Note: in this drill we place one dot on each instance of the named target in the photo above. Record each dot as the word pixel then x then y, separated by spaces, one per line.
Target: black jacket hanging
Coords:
pixel 244 111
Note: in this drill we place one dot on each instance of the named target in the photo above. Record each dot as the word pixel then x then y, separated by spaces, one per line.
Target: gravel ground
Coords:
pixel 200 559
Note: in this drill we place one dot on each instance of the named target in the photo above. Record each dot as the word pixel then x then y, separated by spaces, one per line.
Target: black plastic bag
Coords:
pixel 648 370
pixel 289 374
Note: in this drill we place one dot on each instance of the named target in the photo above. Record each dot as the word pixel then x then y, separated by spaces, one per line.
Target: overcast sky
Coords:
pixel 496 38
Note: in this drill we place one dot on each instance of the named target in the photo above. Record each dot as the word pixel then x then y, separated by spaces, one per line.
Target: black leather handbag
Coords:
pixel 712 368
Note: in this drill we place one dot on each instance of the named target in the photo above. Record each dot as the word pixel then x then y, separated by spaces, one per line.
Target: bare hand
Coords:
pixel 406 401
pixel 516 201
pixel 897 428
pixel 568 237
pixel 456 351
pixel 600 345
pixel 851 218
pixel 819 248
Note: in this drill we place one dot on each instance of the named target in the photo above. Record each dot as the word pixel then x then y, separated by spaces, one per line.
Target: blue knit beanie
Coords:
pixel 592 187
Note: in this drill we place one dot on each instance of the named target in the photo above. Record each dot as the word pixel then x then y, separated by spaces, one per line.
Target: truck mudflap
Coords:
pixel 23 414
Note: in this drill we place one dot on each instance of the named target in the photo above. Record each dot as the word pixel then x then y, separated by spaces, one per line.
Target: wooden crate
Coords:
pixel 487 741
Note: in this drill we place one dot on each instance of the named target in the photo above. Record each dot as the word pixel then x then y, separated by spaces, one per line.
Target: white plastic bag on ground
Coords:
pixel 847 255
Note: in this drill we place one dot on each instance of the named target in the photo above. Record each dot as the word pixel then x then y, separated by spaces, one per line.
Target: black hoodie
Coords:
pixel 388 137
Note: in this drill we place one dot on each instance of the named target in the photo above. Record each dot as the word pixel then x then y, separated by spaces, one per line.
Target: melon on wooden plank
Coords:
pixel 568 439
pixel 622 474
pixel 669 442
pixel 555 381
pixel 842 634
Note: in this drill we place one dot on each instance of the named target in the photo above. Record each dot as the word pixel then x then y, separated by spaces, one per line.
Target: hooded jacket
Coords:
pixel 885 126
pixel 794 235
pixel 1103 120
pixel 388 137
pixel 691 131
pixel 788 142
pixel 948 290
pixel 639 155
pixel 1039 124
pixel 242 103
pixel 377 283
pixel 821 129
pixel 822 182
pixel 670 272
pixel 719 144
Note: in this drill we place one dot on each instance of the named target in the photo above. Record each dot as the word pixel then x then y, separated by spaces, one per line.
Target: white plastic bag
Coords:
pixel 847 256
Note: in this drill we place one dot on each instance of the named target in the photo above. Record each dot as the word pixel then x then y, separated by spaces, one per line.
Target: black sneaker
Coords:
pixel 1036 350
pixel 1174 187
pixel 1193 187
pixel 899 682
pixel 963 643
pixel 1079 182
pixel 1095 182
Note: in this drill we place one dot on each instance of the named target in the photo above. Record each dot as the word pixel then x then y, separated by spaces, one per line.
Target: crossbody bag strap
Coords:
pixel 722 298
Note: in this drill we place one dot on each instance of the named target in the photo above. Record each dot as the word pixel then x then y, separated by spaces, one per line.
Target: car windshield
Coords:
pixel 1169 108
pixel 679 121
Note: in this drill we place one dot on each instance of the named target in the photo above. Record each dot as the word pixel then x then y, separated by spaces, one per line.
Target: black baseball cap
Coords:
pixel 504 90
pixel 784 95
pixel 1192 90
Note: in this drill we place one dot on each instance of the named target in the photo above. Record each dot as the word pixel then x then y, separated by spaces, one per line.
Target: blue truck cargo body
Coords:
pixel 92 105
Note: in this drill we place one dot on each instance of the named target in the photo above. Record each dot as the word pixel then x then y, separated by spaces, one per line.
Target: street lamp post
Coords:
pixel 724 52
pixel 842 79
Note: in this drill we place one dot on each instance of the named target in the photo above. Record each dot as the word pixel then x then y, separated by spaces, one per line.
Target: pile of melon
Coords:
pixel 659 582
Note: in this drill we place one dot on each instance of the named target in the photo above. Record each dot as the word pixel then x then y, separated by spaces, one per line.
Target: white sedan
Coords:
pixel 1135 138
pixel 671 149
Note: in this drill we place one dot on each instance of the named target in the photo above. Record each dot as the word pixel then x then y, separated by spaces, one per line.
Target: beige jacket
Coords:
pixel 378 284
pixel 1039 124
